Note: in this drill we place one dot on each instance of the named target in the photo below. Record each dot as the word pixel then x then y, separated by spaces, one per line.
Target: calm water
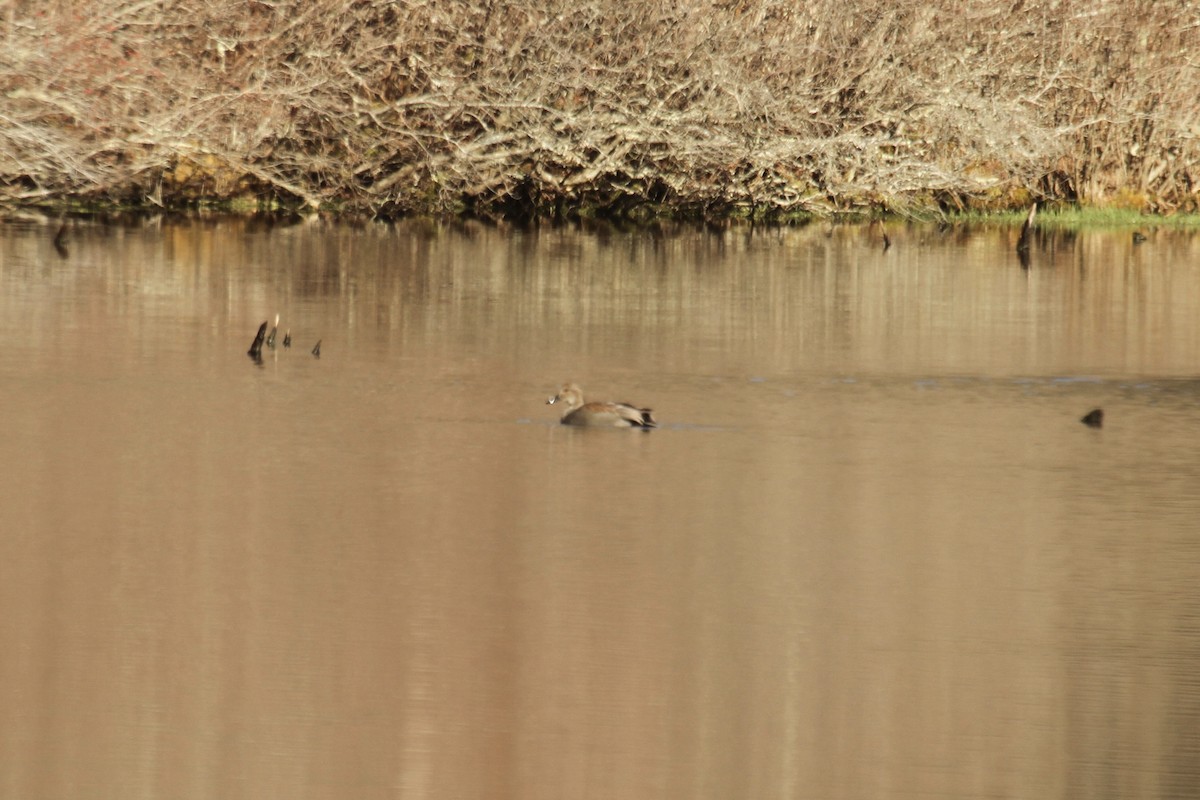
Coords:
pixel 871 552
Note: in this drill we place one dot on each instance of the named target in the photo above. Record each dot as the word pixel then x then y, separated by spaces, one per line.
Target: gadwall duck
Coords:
pixel 599 415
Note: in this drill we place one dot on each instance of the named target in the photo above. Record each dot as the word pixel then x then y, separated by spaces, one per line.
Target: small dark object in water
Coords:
pixel 287 339
pixel 60 241
pixel 316 351
pixel 882 233
pixel 1094 418
pixel 1026 230
pixel 255 350
pixel 274 330
pixel 1138 237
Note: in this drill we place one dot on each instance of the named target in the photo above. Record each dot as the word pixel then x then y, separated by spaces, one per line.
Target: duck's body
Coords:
pixel 599 415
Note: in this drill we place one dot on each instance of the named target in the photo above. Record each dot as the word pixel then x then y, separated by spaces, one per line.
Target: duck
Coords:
pixel 599 414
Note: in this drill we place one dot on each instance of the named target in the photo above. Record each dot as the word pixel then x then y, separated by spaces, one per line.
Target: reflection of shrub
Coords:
pixel 706 105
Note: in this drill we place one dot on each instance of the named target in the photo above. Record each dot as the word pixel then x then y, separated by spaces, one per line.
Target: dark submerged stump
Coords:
pixel 255 350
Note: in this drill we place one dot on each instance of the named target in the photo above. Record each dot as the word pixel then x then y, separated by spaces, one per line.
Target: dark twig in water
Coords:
pixel 287 339
pixel 887 242
pixel 255 350
pixel 1027 230
pixel 316 351
pixel 60 241
pixel 1094 418
pixel 271 338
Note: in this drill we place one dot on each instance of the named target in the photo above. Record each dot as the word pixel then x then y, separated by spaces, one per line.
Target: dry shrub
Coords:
pixel 512 106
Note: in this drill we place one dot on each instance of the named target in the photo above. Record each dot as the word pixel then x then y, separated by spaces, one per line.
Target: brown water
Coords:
pixel 870 552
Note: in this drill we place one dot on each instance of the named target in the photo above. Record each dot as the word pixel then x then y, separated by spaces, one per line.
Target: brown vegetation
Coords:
pixel 602 106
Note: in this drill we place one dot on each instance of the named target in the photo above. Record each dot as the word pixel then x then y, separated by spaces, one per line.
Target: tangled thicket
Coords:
pixel 602 106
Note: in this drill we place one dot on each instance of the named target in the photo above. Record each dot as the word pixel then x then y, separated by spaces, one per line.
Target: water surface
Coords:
pixel 870 552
